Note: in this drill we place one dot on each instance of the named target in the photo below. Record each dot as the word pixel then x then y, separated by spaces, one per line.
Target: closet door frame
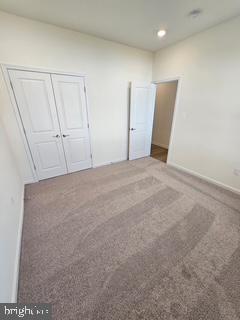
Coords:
pixel 5 68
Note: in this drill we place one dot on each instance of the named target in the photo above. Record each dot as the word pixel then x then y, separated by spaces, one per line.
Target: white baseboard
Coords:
pixel 109 162
pixel 18 254
pixel 215 182
pixel 160 144
pixel 29 181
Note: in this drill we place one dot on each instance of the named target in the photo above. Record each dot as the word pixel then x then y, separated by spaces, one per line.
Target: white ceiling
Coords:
pixel 132 22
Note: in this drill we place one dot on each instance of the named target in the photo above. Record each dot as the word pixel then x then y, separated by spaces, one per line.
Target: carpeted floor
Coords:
pixel 130 241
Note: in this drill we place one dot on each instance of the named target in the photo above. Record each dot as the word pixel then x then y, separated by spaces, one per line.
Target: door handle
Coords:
pixel 56 136
pixel 66 135
pixel 132 129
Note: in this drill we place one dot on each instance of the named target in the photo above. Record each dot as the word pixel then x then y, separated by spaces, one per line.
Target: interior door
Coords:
pixel 141 119
pixel 35 100
pixel 72 110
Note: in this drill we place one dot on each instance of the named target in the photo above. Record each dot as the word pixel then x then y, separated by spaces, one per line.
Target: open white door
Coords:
pixel 141 119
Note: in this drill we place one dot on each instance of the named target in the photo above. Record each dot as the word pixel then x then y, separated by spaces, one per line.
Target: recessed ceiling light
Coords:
pixel 195 13
pixel 161 33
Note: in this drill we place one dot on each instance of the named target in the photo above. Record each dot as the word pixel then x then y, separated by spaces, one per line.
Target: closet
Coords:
pixel 53 112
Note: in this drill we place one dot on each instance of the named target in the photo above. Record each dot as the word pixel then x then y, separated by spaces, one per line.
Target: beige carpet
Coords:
pixel 134 240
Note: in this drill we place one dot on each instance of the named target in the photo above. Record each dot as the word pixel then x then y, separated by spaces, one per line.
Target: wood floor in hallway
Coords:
pixel 159 153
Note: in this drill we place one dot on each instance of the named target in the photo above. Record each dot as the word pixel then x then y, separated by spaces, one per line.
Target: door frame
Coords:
pixel 5 68
pixel 176 109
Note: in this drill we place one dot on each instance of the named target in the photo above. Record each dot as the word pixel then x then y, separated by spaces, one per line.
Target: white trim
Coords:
pixel 176 107
pixel 110 162
pixel 5 68
pixel 18 254
pixel 19 122
pixel 165 146
pixel 85 80
pixel 28 181
pixel 205 178
pixel 40 69
pixel 171 79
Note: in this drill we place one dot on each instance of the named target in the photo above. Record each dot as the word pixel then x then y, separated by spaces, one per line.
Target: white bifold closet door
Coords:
pixel 53 112
pixel 35 100
pixel 73 118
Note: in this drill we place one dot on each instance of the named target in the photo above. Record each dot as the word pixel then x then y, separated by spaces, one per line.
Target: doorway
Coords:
pixel 166 93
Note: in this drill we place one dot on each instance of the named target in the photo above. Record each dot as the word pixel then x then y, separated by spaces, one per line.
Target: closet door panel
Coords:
pixel 72 106
pixel 37 109
pixel 72 111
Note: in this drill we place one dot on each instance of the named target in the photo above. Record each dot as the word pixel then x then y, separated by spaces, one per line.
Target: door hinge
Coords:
pixel 88 125
pixel 34 167
pixel 91 155
pixel 85 89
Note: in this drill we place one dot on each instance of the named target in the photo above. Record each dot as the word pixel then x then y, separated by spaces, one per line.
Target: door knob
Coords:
pixel 56 136
pixel 66 135
pixel 132 129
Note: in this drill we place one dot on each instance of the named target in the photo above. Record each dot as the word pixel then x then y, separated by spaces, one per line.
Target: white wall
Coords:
pixel 11 205
pixel 206 137
pixel 109 67
pixel 163 115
